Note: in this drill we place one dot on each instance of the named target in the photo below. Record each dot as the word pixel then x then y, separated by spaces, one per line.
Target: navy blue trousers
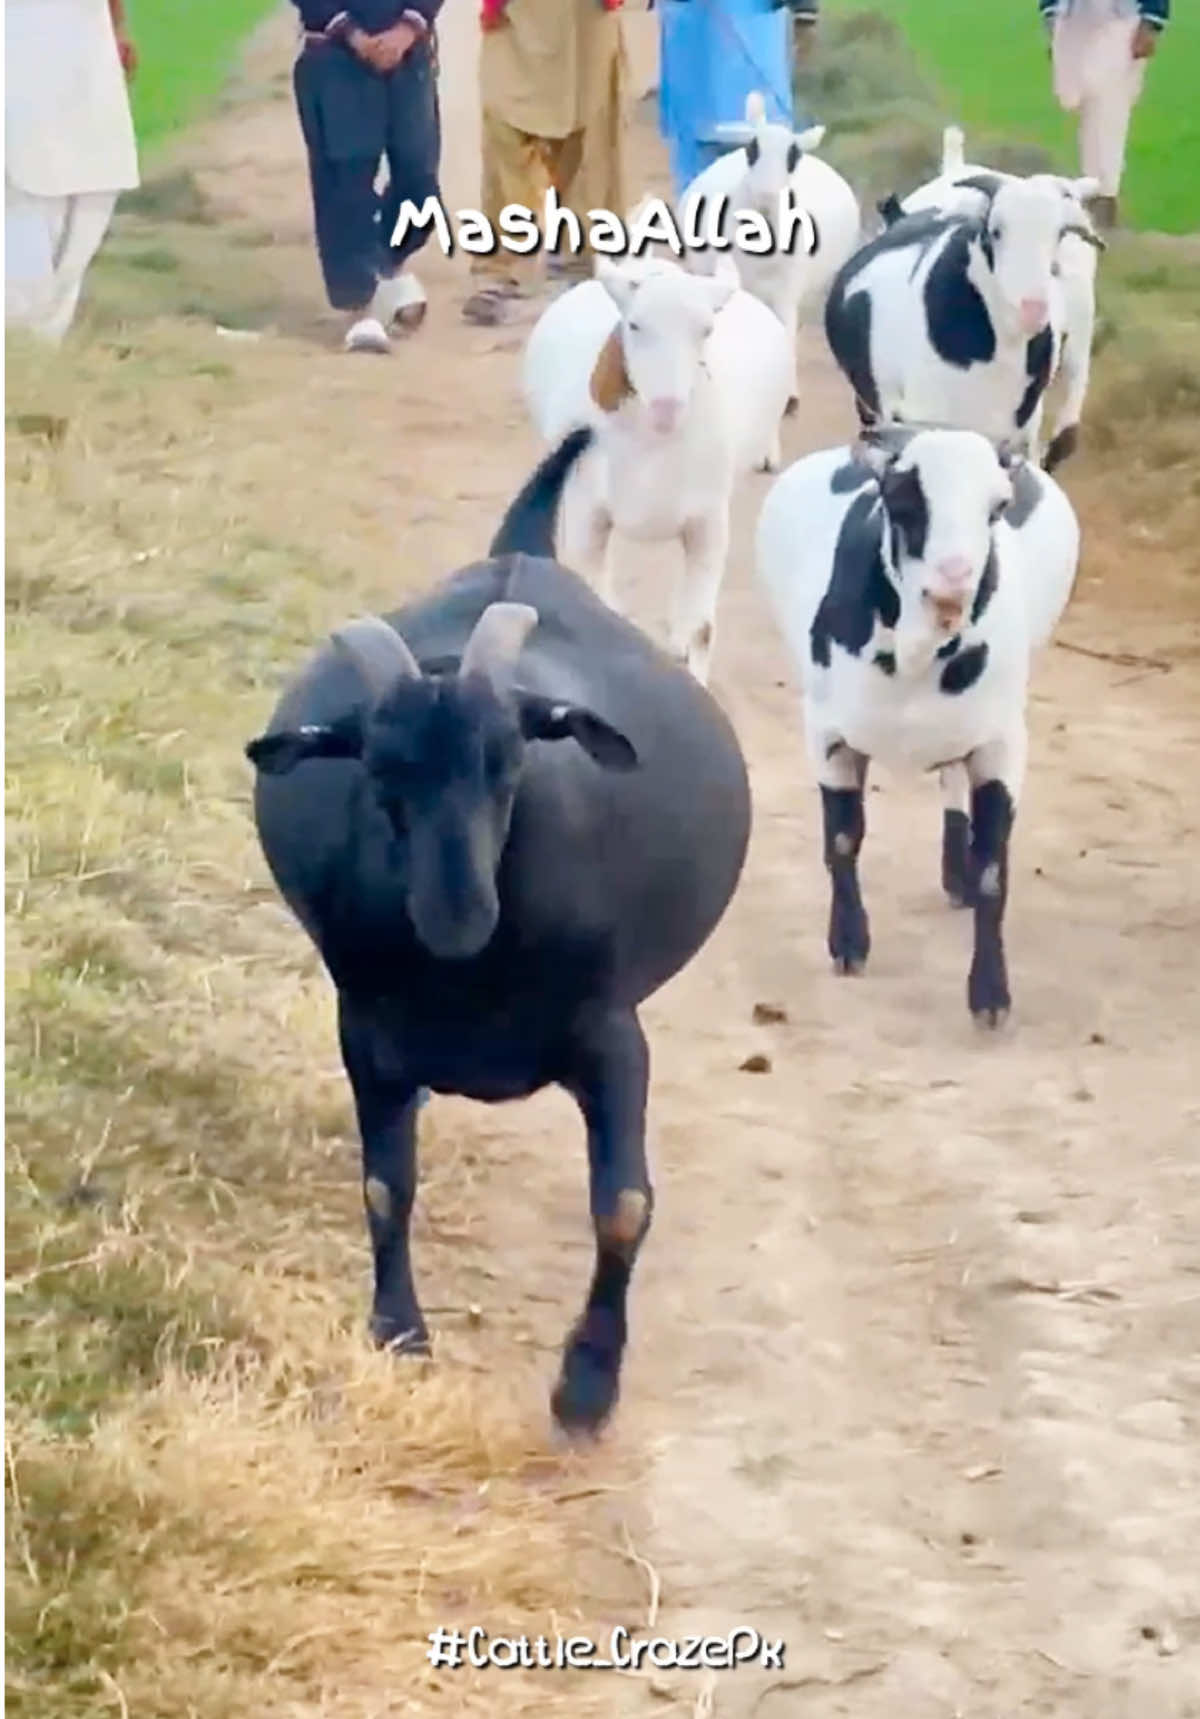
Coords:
pixel 352 118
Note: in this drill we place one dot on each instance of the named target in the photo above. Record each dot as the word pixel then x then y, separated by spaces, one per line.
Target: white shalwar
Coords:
pixel 1096 75
pixel 69 152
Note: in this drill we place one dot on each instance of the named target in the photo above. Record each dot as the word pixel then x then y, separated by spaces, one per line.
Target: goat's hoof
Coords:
pixel 792 407
pixel 588 1385
pixel 987 994
pixel 849 941
pixel 400 1337
pixel 959 893
pixel 1062 446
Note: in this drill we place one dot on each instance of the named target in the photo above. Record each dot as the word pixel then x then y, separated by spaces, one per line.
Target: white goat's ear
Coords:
pixel 1081 188
pixel 616 284
pixel 812 138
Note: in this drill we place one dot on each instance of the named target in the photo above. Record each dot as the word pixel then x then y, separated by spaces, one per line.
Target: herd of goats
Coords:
pixel 505 817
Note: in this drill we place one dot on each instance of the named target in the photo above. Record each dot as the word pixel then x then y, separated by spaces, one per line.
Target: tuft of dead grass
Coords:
pixel 278 1534
pixel 220 1502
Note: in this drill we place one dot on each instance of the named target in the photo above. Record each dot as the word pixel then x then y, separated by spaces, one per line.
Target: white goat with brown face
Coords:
pixel 684 381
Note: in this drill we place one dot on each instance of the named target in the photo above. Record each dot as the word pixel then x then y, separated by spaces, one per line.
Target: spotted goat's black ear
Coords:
pixel 276 754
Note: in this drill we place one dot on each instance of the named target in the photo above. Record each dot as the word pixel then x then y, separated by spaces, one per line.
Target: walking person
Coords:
pixel 1099 50
pixel 69 151
pixel 552 77
pixel 366 93
pixel 711 57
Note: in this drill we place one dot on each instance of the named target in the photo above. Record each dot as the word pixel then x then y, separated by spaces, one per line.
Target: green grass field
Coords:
pixel 186 49
pixel 990 65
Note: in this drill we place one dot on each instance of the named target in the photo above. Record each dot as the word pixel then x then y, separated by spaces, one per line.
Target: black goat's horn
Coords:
pixel 378 653
pixel 496 641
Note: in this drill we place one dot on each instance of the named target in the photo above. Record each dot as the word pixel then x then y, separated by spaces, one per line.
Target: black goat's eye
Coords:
pixel 635 328
pixel 997 234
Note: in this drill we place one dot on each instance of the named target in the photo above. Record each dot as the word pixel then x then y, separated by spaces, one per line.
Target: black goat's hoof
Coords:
pixel 400 1338
pixel 588 1387
pixel 959 892
pixel 849 965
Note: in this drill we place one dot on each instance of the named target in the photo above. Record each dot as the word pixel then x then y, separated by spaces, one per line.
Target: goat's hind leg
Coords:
pixel 608 1075
pixel 843 774
pixel 693 628
pixel 585 542
pixel 956 835
pixel 387 1104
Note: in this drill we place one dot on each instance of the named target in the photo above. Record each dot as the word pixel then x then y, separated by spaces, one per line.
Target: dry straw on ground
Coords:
pixel 220 1502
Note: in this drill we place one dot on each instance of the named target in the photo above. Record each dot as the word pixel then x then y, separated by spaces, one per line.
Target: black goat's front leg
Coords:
pixel 609 1076
pixel 993 809
pixel 387 1107
pixel 843 777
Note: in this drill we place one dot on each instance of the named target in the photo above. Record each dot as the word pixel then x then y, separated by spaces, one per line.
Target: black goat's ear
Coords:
pixel 543 719
pixel 276 754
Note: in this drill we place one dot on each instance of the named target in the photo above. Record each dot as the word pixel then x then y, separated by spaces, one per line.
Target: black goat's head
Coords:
pixel 444 756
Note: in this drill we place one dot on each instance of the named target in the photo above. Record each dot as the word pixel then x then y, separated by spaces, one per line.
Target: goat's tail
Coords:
pixel 528 528
pixel 953 147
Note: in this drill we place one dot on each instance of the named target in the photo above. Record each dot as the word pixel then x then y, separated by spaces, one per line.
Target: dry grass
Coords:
pixel 220 1503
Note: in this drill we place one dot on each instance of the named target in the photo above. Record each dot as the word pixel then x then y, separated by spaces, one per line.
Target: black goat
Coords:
pixel 498 868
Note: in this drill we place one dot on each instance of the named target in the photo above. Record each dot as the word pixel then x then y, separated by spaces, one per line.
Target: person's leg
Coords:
pixel 414 147
pixel 1109 82
pixel 1104 132
pixel 342 167
pixel 513 172
pixel 87 221
pixel 32 230
pixel 590 168
pixel 566 170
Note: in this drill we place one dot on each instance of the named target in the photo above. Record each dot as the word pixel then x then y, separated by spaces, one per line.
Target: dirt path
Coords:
pixel 914 1371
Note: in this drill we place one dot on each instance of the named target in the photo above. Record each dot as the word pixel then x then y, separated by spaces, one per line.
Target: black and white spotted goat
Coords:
pixel 953 318
pixel 964 188
pixel 913 577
